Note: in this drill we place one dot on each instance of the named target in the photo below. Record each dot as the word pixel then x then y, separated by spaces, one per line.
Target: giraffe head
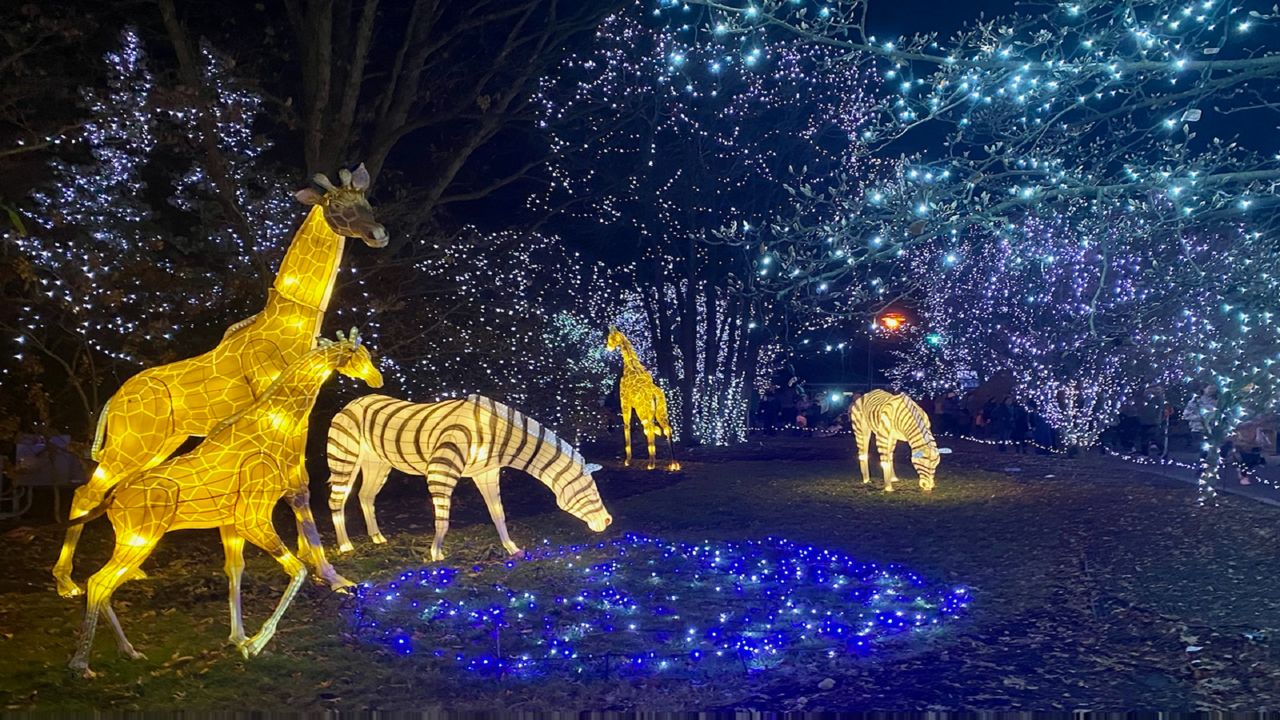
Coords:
pixel 616 340
pixel 346 208
pixel 353 359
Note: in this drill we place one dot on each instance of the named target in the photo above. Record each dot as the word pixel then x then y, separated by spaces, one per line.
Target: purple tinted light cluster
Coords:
pixel 640 604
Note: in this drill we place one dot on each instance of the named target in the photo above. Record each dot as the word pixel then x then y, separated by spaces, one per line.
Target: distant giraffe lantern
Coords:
pixel 639 393
pixel 157 409
pixel 231 481
pixel 893 419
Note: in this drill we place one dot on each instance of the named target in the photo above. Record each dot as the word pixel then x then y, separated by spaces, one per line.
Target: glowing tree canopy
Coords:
pixel 638 393
pixel 443 442
pixel 893 419
pixel 156 410
pixel 231 481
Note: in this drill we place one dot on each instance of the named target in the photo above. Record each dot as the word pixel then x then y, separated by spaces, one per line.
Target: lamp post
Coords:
pixel 890 322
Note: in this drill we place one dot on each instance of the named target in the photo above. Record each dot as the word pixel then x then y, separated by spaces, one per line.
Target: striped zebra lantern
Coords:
pixel 893 419
pixel 444 441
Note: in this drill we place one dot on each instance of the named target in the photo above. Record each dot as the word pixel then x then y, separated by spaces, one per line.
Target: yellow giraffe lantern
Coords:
pixel 893 419
pixel 639 393
pixel 231 481
pixel 156 410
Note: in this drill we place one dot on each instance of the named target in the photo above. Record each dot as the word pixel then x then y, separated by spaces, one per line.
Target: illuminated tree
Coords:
pixel 1096 107
pixel 664 150
pixel 124 264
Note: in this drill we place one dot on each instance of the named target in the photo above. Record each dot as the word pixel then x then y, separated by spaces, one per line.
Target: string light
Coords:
pixel 642 605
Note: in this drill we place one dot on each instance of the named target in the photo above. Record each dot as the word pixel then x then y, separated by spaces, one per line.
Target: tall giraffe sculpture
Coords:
pixel 231 481
pixel 156 410
pixel 639 393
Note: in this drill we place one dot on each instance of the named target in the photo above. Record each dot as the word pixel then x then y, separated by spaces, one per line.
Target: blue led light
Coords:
pixel 640 604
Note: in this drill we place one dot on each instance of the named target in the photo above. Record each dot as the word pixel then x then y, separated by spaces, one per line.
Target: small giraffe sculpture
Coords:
pixel 156 410
pixel 640 393
pixel 231 481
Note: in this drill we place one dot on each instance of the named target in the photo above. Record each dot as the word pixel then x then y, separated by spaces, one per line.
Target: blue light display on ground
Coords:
pixel 638 604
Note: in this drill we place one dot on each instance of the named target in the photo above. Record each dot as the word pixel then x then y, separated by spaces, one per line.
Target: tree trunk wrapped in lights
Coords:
pixel 156 410
pixel 638 393
pixel 443 442
pixel 893 419
pixel 231 481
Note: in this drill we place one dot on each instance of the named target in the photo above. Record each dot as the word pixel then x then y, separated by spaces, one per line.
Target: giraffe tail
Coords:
pixel 100 434
pixel 96 511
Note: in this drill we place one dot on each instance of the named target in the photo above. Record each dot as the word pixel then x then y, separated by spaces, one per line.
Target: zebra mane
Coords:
pixel 533 427
pixel 918 415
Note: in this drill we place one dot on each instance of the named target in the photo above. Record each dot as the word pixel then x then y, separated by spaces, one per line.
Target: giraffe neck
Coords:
pixel 310 266
pixel 288 401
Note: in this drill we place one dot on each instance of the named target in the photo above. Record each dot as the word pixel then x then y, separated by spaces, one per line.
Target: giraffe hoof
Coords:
pixel 84 672
pixel 378 539
pixel 519 554
pixel 346 548
pixel 132 654
pixel 674 467
pixel 68 589
pixel 337 583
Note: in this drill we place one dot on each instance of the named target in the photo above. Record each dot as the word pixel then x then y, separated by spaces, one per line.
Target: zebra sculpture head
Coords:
pixel 926 464
pixel 580 498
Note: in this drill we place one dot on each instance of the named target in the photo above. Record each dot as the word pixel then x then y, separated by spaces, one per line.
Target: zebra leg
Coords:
pixel 487 481
pixel 339 491
pixel 863 439
pixel 885 448
pixel 440 483
pixel 375 475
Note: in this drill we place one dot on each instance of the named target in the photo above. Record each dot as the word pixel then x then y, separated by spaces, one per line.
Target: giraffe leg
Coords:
pixel 488 484
pixel 885 448
pixel 374 476
pixel 310 546
pixel 114 466
pixel 264 536
pixel 233 549
pixel 674 465
pixel 122 642
pixel 626 433
pixel 652 447
pixel 440 484
pixel 124 561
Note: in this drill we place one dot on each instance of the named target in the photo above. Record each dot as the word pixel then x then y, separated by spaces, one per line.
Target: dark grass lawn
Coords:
pixel 1093 589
